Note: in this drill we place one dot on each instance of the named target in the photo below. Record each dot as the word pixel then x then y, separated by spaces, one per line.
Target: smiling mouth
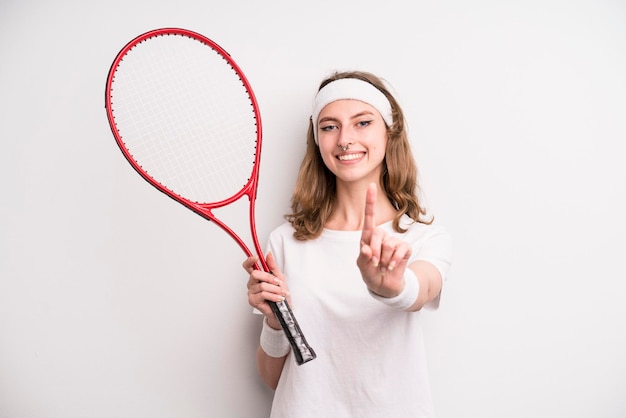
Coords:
pixel 350 157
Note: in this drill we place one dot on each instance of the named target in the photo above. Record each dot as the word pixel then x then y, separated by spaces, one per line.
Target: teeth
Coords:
pixel 348 157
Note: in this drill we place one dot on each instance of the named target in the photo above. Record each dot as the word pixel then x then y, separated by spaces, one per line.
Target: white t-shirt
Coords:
pixel 370 358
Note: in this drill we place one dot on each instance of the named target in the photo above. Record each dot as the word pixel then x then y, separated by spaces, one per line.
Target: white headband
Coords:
pixel 353 89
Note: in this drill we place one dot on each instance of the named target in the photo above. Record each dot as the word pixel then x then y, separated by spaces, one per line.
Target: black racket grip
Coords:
pixel 300 347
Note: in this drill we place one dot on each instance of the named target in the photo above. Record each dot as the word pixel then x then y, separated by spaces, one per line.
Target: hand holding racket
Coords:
pixel 186 119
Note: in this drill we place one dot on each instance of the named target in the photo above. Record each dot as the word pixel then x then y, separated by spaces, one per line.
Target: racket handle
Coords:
pixel 300 347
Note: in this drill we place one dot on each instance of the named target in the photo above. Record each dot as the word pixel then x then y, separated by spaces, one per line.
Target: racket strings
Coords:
pixel 186 117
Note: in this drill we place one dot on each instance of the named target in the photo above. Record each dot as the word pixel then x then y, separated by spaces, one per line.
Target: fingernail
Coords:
pixel 391 265
pixel 375 261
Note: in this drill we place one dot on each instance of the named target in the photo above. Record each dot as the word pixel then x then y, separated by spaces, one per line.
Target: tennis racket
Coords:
pixel 186 119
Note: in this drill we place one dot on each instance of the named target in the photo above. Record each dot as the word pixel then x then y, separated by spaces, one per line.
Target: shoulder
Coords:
pixel 283 230
pixel 431 243
pixel 416 231
pixel 282 235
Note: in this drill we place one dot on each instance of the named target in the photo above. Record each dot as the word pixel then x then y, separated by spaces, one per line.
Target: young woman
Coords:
pixel 357 260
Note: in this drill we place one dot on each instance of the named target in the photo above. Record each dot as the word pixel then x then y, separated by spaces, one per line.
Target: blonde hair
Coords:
pixel 314 195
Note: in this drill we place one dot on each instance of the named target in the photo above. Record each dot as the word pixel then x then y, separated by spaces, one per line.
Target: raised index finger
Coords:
pixel 369 221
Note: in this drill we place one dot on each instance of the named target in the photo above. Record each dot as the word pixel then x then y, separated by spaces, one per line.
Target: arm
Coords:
pixel 430 283
pixel 383 263
pixel 263 286
pixel 269 368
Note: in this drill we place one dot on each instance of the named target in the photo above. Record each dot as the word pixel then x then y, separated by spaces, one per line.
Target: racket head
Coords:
pixel 185 117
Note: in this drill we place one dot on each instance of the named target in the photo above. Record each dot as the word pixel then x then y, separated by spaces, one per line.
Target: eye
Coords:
pixel 364 123
pixel 327 128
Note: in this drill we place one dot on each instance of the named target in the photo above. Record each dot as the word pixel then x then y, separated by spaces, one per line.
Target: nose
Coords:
pixel 345 138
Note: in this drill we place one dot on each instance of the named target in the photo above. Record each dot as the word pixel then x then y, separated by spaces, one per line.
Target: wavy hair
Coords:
pixel 313 199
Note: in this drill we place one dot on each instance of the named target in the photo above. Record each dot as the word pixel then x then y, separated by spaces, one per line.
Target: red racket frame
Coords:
pixel 203 209
pixel 302 351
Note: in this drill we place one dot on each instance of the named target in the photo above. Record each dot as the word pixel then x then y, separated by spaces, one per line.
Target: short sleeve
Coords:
pixel 436 248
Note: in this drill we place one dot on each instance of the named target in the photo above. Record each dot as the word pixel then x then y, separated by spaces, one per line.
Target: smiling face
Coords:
pixel 360 128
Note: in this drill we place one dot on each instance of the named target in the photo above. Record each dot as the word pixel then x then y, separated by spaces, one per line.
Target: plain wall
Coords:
pixel 115 301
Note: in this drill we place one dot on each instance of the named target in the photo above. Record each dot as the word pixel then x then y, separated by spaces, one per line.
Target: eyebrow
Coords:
pixel 356 116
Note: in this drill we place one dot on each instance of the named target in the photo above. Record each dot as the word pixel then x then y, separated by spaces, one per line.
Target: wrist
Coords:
pixel 274 342
pixel 406 298
pixel 272 323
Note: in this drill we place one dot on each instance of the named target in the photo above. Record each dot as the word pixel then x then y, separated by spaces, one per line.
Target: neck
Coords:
pixel 348 212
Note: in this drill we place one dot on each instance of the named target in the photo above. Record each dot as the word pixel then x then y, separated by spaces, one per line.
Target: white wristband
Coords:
pixel 274 341
pixel 407 297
